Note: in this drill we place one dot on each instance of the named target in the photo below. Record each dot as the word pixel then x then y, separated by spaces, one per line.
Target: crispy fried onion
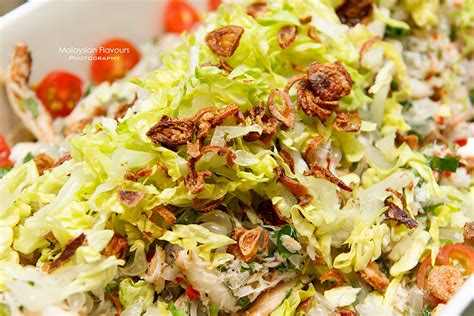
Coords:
pixel 211 205
pixel 220 150
pixel 320 172
pixel 329 81
pixel 286 36
pixel 68 251
pixel 195 180
pixel 305 200
pixel 77 127
pixel 310 104
pixel 43 163
pixel 208 118
pixel 313 34
pixel 164 213
pixel 194 150
pixel 410 140
pixel 352 12
pixel 171 132
pixel 130 198
pixel 333 275
pixel 113 297
pixel 137 175
pixel 374 277
pixel 287 115
pixel 269 214
pixel 257 9
pixel 292 185
pixel 315 144
pixel 62 160
pixel 268 124
pixel 249 243
pixel 366 47
pixel 288 159
pixel 346 121
pixel 224 41
pixel 123 108
pixel 397 214
pixel 117 246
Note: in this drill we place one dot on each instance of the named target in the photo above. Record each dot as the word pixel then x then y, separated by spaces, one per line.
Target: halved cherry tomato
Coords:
pixel 459 252
pixel 60 91
pixel 191 293
pixel 4 153
pixel 214 4
pixel 180 16
pixel 113 59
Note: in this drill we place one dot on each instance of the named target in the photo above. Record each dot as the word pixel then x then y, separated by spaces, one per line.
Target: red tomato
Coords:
pixel 113 59
pixel 461 142
pixel 191 293
pixel 459 252
pixel 180 16
pixel 4 153
pixel 60 91
pixel 214 4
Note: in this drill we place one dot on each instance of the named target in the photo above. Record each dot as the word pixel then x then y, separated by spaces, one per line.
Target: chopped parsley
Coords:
pixel 4 171
pixel 444 164
pixel 395 32
pixel 28 157
pixel 243 302
pixel 285 230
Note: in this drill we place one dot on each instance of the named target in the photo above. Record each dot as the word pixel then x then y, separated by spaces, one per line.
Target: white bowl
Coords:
pixel 50 26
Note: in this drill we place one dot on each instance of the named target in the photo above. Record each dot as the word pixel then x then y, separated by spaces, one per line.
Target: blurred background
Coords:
pixel 8 5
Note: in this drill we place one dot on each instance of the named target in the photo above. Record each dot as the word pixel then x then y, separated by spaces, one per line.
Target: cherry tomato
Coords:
pixel 214 4
pixel 4 153
pixel 191 293
pixel 180 16
pixel 459 252
pixel 113 59
pixel 60 91
pixel 461 142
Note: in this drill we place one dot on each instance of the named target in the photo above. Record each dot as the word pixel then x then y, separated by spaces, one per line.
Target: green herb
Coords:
pixel 407 104
pixel 4 171
pixel 425 312
pixel 112 286
pixel 88 91
pixel 4 310
pixel 30 105
pixel 243 302
pixel 394 85
pixel 250 266
pixel 471 96
pixel 285 230
pixel 28 157
pixel 174 311
pixel 443 164
pixel 396 32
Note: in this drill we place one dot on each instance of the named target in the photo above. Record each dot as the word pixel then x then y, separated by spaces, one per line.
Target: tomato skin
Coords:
pixel 122 56
pixel 60 91
pixel 191 293
pixel 461 142
pixel 214 4
pixel 460 252
pixel 180 16
pixel 4 153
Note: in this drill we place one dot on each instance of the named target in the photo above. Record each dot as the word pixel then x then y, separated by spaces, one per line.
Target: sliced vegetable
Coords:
pixel 59 91
pixel 113 59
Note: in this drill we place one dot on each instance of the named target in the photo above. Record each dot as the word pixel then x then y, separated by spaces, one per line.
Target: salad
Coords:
pixel 302 157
